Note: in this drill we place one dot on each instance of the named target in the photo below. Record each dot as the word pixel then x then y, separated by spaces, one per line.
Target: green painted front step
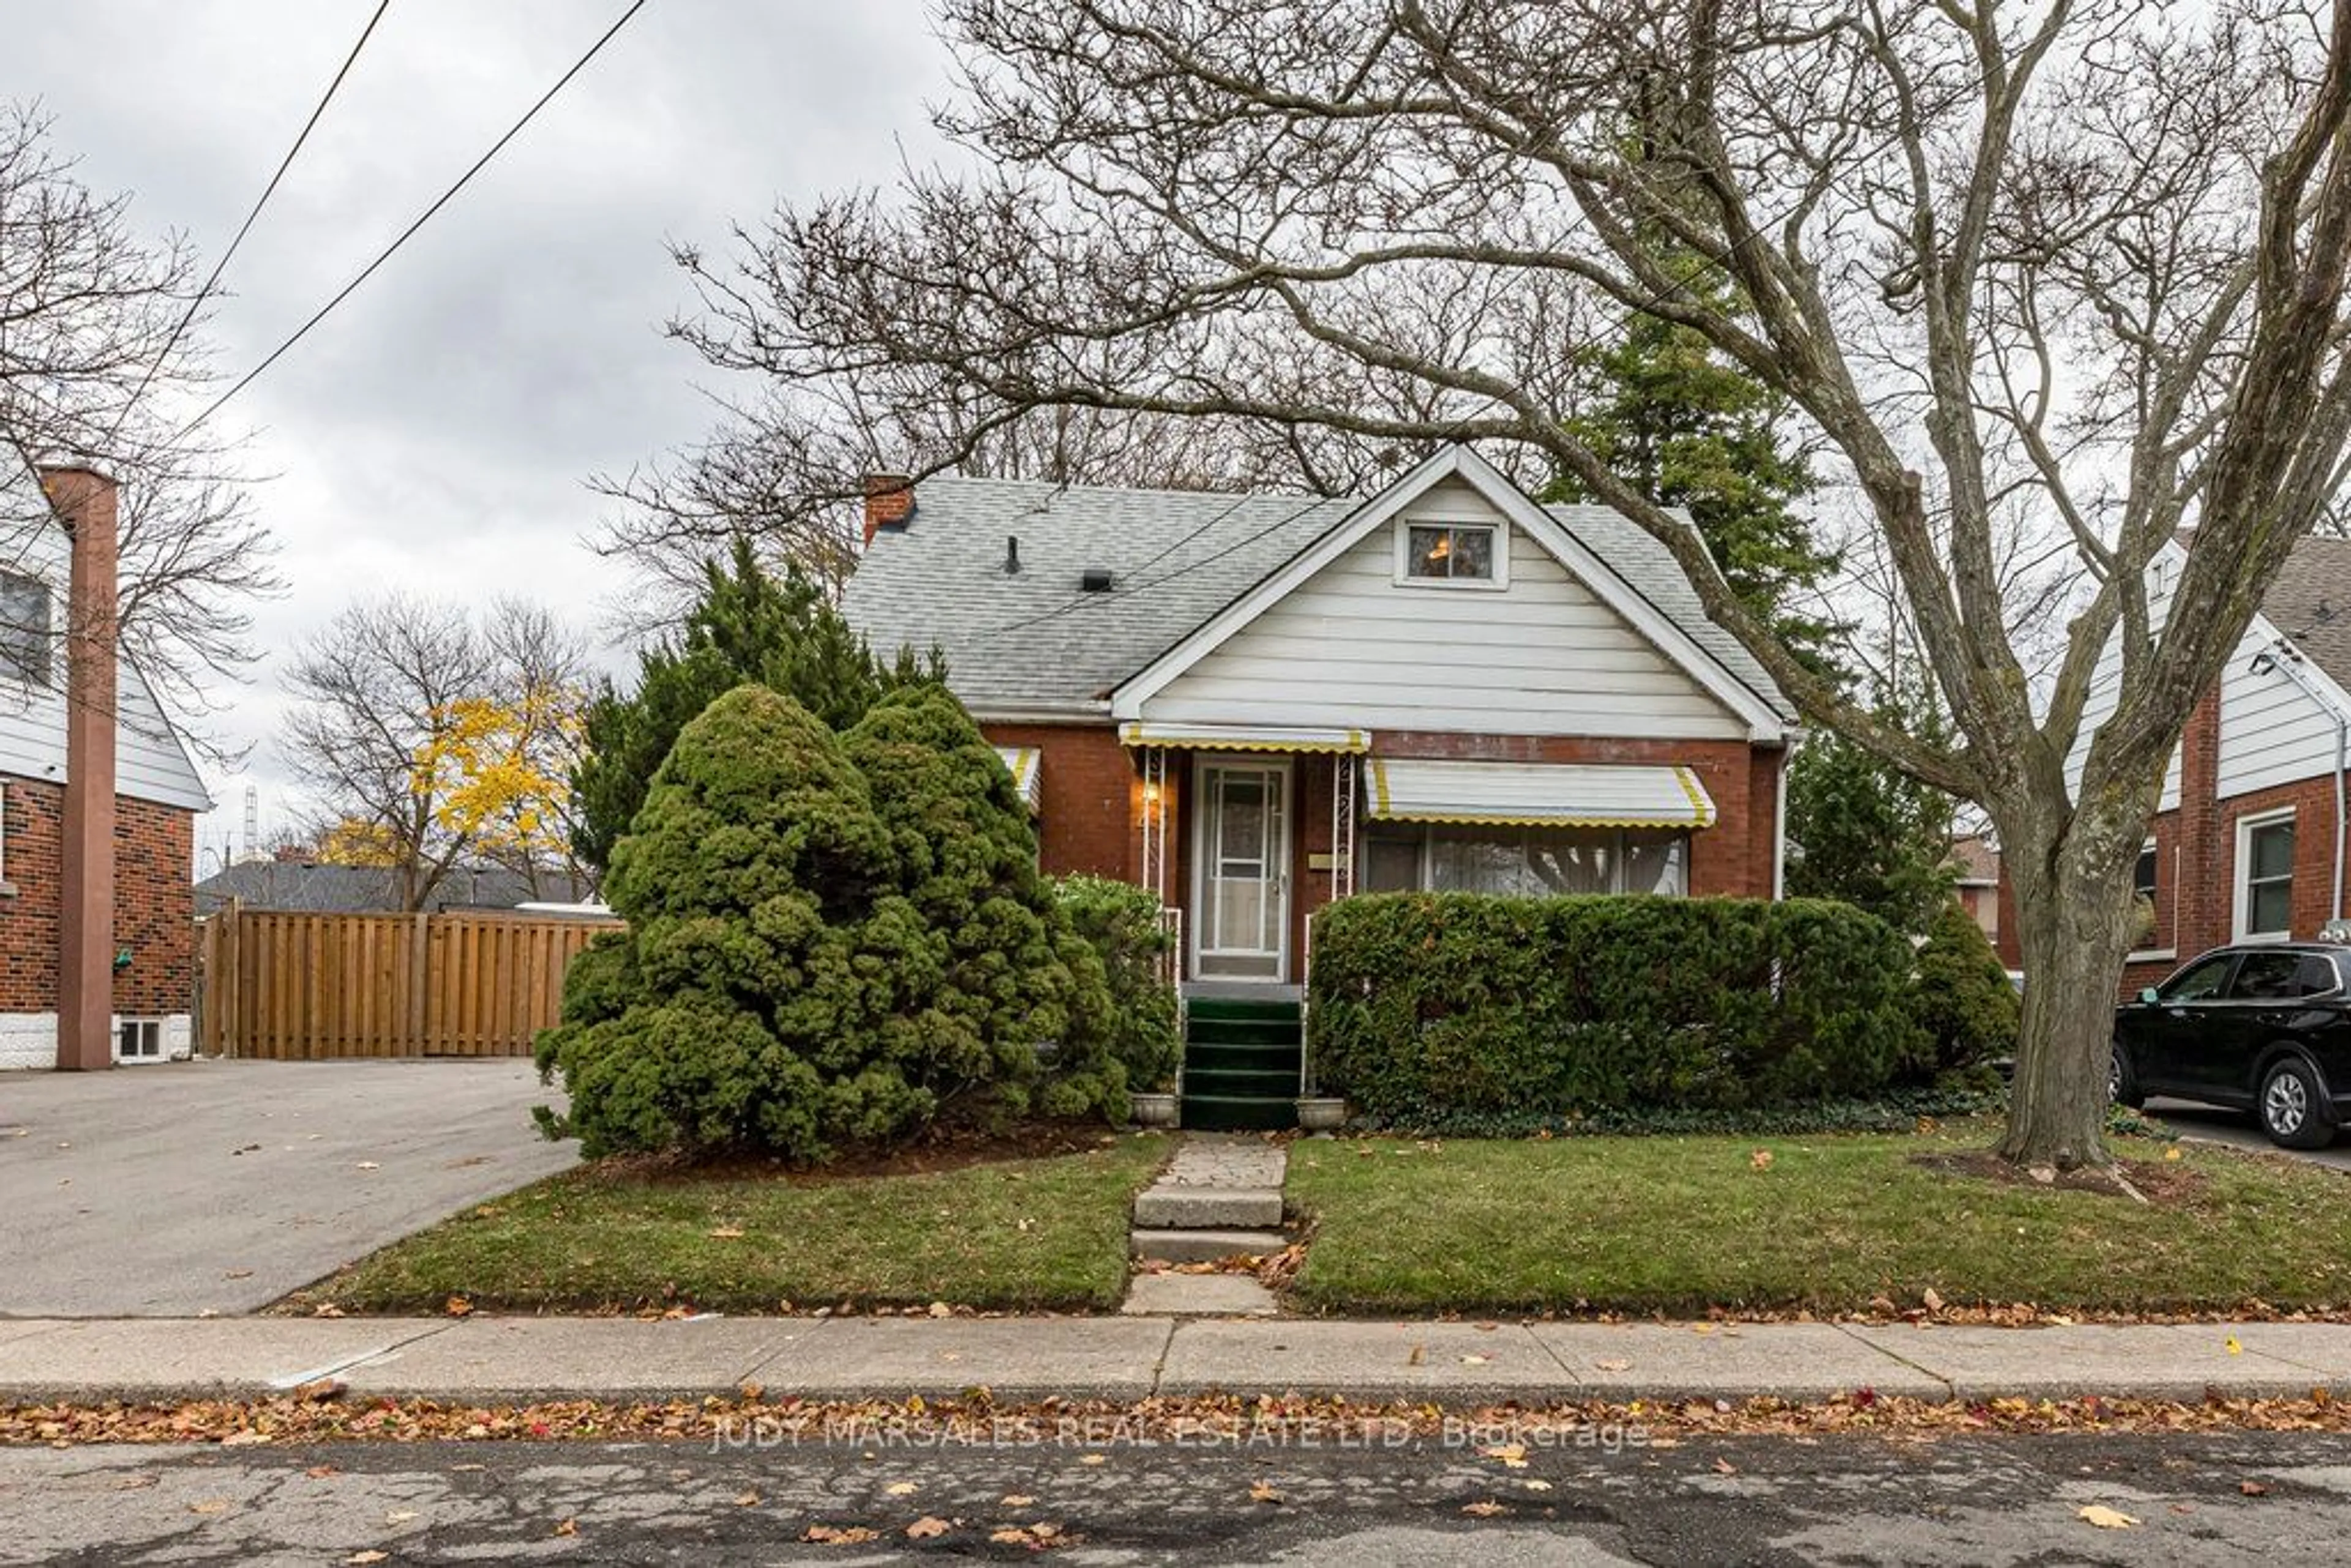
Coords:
pixel 1221 1083
pixel 1229 1113
pixel 1241 1031
pixel 1239 1010
pixel 1242 1058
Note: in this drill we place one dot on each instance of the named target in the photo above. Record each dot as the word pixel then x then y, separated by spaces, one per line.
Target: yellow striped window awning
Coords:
pixel 1244 737
pixel 1028 766
pixel 1537 794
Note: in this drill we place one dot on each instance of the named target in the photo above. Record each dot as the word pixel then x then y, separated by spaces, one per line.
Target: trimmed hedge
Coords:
pixel 1432 1008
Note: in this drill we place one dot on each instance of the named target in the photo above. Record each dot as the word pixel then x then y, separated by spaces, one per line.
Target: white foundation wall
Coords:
pixel 30 1039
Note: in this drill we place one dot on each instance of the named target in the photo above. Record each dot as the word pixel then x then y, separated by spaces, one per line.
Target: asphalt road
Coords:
pixel 2237 1129
pixel 187 1187
pixel 1754 1501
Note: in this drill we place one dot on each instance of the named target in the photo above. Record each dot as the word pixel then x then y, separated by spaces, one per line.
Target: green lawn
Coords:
pixel 1028 1234
pixel 1679 1225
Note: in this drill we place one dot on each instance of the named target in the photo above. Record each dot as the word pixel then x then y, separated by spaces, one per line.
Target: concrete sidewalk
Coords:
pixel 488 1360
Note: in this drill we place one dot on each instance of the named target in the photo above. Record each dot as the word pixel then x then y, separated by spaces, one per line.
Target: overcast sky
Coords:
pixel 432 434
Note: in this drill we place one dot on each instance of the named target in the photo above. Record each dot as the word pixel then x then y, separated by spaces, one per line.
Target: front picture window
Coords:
pixel 1524 862
pixel 1449 552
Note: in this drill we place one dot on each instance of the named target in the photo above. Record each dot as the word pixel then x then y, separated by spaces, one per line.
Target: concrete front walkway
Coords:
pixel 493 1360
pixel 198 1187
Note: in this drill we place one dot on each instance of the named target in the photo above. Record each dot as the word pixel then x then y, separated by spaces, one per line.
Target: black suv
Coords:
pixel 2264 1027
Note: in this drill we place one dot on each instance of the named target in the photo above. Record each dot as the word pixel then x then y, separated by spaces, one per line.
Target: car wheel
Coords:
pixel 2292 1111
pixel 2122 1083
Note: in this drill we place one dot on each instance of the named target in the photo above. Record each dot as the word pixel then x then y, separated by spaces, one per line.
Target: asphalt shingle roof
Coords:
pixel 2310 601
pixel 1033 640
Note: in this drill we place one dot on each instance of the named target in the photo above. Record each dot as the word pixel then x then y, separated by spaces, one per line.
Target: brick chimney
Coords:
pixel 85 504
pixel 889 502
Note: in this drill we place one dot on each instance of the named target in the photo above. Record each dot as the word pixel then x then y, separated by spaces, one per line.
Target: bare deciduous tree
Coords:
pixel 2078 264
pixel 101 344
pixel 440 738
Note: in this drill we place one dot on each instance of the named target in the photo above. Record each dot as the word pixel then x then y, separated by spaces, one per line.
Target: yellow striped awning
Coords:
pixel 1027 763
pixel 1537 794
pixel 1244 737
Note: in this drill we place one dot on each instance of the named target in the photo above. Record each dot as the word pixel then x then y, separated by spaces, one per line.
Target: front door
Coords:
pixel 1241 853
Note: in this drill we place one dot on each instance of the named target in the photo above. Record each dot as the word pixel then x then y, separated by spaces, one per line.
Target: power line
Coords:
pixel 245 229
pixel 426 217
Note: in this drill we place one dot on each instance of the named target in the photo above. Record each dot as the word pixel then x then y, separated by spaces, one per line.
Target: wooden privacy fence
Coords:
pixel 290 985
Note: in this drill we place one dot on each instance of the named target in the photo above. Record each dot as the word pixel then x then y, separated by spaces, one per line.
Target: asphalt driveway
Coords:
pixel 187 1187
pixel 2210 1125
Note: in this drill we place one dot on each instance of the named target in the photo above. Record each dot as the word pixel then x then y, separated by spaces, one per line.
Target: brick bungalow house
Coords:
pixel 1252 704
pixel 98 806
pixel 2249 840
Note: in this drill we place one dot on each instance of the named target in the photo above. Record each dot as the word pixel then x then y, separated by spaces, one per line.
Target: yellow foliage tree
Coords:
pixel 496 773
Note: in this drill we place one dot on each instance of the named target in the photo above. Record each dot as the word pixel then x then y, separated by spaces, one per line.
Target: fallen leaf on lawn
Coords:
pixel 327 1310
pixel 830 1535
pixel 1760 1159
pixel 457 1306
pixel 2172 1153
pixel 925 1528
pixel 941 1310
pixel 1930 1301
pixel 209 1505
pixel 1262 1492
pixel 900 1489
pixel 1016 1500
pixel 1486 1510
pixel 1613 1365
pixel 360 1559
pixel 2252 1489
pixel 2105 1518
pixel 727 1233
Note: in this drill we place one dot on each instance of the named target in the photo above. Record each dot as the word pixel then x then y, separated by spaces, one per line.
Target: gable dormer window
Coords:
pixel 1434 552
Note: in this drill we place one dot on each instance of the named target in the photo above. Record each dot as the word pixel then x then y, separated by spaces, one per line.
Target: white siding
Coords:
pixel 2272 731
pixel 2099 706
pixel 1350 646
pixel 149 762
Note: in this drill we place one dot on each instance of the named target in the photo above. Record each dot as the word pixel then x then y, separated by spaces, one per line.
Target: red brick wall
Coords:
pixel 155 904
pixel 1091 802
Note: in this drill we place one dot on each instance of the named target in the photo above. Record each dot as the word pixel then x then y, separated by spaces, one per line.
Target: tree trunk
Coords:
pixel 2074 919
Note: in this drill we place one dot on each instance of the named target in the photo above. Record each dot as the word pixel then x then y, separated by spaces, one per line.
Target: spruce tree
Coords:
pixel 749 626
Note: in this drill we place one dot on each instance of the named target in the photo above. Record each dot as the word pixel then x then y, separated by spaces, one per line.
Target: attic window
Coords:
pixel 1462 554
pixel 24 632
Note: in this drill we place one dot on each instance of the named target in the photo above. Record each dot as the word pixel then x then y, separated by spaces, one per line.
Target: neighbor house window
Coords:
pixel 1469 554
pixel 138 1040
pixel 1532 863
pixel 2266 876
pixel 2143 876
pixel 24 636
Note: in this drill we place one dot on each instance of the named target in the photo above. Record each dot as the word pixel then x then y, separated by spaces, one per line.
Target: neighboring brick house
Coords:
pixel 1252 704
pixel 2248 841
pixel 138 955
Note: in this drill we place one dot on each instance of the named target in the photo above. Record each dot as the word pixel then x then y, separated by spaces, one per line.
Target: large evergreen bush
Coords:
pixel 811 962
pixel 1122 921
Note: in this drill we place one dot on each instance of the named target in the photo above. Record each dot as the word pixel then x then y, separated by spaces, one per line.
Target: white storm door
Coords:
pixel 1241 851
